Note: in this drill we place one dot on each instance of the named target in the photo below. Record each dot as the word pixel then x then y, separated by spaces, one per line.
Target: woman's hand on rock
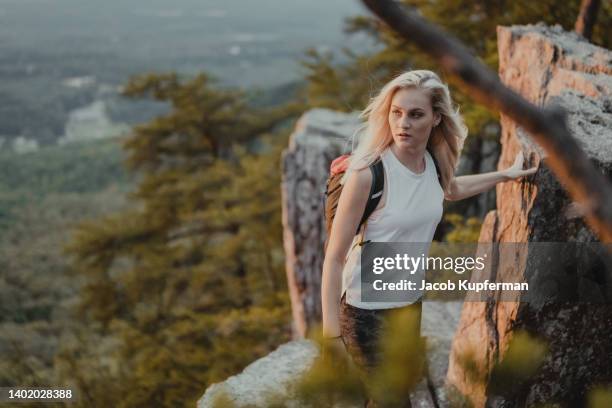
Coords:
pixel 516 170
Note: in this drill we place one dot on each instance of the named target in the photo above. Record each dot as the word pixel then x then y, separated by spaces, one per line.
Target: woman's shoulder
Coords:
pixel 361 177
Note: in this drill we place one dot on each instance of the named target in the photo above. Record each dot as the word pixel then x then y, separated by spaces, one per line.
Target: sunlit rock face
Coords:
pixel 545 65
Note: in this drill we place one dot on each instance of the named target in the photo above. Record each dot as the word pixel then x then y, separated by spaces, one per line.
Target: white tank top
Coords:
pixel 412 211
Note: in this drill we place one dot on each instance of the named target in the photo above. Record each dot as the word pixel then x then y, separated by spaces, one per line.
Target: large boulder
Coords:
pixel 265 379
pixel 319 136
pixel 546 65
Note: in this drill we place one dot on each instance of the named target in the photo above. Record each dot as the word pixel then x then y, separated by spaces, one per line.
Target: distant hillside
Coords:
pixel 43 195
pixel 79 168
pixel 57 57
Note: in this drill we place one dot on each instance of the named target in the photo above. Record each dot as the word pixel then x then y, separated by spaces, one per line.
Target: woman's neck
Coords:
pixel 412 158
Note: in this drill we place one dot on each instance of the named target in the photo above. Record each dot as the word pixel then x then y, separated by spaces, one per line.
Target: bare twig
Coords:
pixel 546 125
pixel 586 18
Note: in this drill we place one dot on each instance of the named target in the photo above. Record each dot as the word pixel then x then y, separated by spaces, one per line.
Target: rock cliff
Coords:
pixel 319 136
pixel 546 65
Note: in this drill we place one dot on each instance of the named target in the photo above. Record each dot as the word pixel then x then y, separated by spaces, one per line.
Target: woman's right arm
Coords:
pixel 351 206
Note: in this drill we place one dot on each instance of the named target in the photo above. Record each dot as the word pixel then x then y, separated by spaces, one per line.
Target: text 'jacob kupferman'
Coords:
pixel 463 284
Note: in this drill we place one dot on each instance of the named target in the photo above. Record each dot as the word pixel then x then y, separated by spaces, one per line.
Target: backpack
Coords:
pixel 333 188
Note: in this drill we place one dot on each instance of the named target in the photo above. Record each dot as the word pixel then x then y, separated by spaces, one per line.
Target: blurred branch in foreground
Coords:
pixel 546 125
pixel 586 18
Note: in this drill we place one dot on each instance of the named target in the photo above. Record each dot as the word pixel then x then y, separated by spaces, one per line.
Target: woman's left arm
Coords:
pixel 468 186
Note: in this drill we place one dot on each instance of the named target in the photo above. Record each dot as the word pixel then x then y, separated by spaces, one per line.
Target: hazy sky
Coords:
pixel 245 41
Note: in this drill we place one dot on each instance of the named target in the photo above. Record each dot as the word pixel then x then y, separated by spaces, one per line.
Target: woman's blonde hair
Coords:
pixel 446 139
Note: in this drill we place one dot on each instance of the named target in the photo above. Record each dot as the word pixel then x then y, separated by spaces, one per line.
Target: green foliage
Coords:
pixel 191 283
pixel 222 400
pixel 600 397
pixel 463 230
pixel 403 353
pixel 337 87
pixel 332 379
pixel 335 379
pixel 474 371
pixel 524 355
pixel 521 360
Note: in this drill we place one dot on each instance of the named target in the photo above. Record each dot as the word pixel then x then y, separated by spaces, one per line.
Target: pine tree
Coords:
pixel 188 287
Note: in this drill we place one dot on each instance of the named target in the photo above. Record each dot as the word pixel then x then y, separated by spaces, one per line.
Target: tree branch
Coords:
pixel 570 164
pixel 586 18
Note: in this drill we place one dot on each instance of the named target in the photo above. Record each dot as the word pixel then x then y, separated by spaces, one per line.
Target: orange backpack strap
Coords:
pixel 339 165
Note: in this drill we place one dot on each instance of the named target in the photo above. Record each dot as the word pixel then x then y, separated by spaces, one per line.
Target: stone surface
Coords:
pixel 320 136
pixel 273 374
pixel 439 322
pixel 546 65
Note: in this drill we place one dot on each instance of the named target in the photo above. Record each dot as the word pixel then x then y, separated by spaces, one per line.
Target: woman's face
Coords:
pixel 411 117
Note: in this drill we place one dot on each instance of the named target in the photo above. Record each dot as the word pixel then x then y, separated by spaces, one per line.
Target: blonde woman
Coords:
pixel 408 125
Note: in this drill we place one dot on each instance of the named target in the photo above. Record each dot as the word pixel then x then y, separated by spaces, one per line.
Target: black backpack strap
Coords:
pixel 376 191
pixel 436 164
